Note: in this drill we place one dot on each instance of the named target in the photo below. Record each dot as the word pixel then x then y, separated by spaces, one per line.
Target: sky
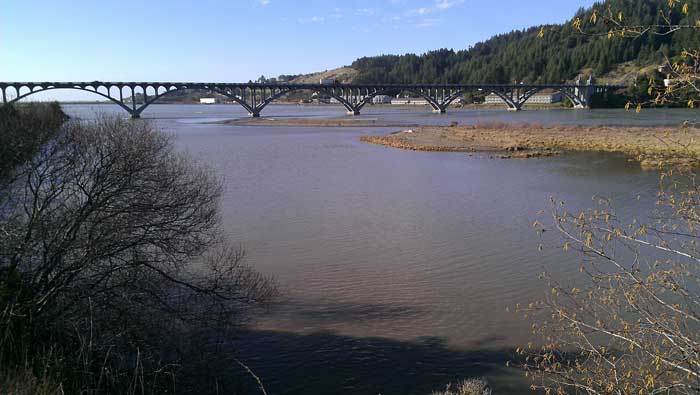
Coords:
pixel 240 40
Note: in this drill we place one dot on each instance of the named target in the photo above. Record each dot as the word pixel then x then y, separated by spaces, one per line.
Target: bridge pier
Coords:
pixel 353 112
pixel 439 110
pixel 517 108
pixel 255 114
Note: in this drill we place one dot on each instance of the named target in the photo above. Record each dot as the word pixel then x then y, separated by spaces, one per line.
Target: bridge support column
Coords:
pixel 135 115
pixel 516 108
pixel 353 112
pixel 255 114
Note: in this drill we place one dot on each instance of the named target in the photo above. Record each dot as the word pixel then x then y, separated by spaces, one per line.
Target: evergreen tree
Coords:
pixel 524 56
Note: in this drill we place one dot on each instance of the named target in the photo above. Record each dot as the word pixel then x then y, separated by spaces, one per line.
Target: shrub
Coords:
pixel 24 129
pixel 467 387
pixel 113 273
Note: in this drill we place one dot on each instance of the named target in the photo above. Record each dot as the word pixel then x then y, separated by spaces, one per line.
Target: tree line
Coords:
pixel 540 54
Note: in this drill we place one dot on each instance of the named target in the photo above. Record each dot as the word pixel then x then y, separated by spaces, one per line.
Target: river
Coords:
pixel 396 267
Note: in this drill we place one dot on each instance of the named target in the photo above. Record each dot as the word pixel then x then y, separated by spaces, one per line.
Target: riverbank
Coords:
pixel 653 147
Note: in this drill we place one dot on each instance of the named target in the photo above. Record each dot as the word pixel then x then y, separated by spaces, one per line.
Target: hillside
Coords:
pixel 343 74
pixel 562 54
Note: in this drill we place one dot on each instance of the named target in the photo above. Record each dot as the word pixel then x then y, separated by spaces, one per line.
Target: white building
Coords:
pixel 207 100
pixel 543 97
pixel 381 99
pixel 493 99
pixel 409 101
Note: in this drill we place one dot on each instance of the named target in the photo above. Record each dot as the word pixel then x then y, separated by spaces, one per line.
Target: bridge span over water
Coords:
pixel 135 97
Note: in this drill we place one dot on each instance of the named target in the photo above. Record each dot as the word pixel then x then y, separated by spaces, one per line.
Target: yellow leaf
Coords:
pixel 685 8
pixel 577 24
pixel 541 33
pixel 620 17
pixel 649 381
pixel 594 17
pixel 639 108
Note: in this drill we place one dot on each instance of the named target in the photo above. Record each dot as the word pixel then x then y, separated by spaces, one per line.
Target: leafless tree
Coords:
pixel 111 235
pixel 631 323
pixel 634 326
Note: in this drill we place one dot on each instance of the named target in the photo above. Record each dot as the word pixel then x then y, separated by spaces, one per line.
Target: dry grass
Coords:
pixel 342 74
pixel 24 382
pixel 652 147
pixel 466 387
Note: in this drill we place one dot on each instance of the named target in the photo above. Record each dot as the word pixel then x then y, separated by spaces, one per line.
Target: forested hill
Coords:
pixel 560 55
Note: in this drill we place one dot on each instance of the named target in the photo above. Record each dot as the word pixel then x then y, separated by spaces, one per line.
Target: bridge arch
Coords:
pixel 32 91
pixel 575 99
pixel 516 104
pixel 528 94
pixel 510 103
pixel 437 106
pixel 349 106
pixel 136 113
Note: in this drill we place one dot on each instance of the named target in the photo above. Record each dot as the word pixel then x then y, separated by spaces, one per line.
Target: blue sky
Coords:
pixel 238 40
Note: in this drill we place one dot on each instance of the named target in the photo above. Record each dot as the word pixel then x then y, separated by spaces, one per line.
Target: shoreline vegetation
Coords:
pixel 115 277
pixel 652 147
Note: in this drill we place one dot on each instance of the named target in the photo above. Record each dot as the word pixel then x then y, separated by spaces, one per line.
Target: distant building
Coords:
pixel 543 97
pixel 381 99
pixel 493 99
pixel 409 101
pixel 208 100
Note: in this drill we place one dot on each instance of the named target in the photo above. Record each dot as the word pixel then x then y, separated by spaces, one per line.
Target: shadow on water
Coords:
pixel 329 313
pixel 331 363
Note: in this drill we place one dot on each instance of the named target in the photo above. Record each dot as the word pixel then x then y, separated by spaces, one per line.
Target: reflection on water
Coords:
pixel 396 266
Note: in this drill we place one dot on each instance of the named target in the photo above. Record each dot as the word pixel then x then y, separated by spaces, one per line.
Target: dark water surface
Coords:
pixel 397 267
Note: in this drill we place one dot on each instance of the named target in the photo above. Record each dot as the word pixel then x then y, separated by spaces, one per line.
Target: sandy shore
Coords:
pixel 651 146
pixel 320 122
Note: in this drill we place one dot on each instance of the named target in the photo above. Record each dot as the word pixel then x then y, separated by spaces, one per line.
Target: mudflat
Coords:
pixel 651 146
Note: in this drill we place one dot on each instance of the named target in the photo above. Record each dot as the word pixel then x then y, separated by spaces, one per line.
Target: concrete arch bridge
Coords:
pixel 254 97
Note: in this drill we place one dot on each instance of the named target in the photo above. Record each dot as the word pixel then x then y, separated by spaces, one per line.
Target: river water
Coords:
pixel 396 267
